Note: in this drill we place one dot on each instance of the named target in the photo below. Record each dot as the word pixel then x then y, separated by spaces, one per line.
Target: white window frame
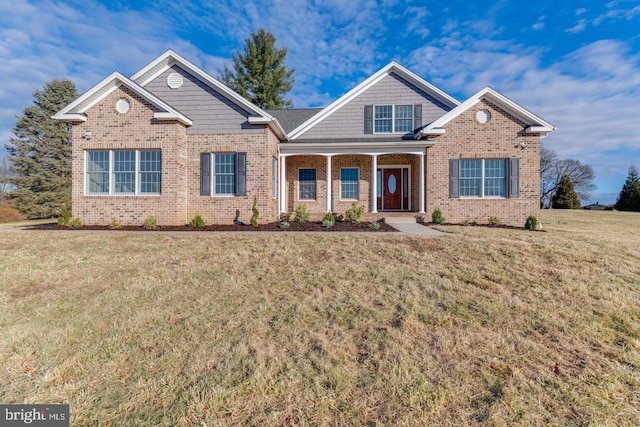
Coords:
pixel 393 118
pixel 111 174
pixel 357 183
pixel 214 193
pixel 482 179
pixel 300 187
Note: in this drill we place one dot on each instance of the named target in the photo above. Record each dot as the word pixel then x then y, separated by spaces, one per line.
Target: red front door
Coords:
pixel 392 188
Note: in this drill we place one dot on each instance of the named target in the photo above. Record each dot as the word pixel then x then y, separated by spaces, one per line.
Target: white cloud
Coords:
pixel 578 27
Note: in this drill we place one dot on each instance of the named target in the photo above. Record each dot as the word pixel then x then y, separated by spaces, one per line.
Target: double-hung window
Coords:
pixel 123 172
pixel 393 118
pixel 306 184
pixel 482 177
pixel 223 174
pixel 349 183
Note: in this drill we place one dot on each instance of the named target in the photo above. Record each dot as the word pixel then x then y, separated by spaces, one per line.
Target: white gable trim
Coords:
pixel 535 123
pixel 170 58
pixel 392 67
pixel 76 110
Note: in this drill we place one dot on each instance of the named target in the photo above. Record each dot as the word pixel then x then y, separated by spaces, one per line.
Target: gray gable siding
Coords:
pixel 348 121
pixel 210 112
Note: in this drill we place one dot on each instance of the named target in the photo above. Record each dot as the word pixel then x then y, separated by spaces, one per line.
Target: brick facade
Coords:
pixel 465 138
pixel 180 198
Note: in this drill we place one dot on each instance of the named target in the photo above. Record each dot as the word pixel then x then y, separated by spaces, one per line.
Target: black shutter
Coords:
pixel 205 174
pixel 454 178
pixel 514 177
pixel 368 119
pixel 417 116
pixel 241 174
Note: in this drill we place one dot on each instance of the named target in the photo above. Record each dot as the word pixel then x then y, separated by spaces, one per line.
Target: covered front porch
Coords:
pixel 329 177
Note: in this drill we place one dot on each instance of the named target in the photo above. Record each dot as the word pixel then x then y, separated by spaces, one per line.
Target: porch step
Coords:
pixel 397 219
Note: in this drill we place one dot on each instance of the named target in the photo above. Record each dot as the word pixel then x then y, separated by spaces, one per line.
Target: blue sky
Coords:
pixel 575 63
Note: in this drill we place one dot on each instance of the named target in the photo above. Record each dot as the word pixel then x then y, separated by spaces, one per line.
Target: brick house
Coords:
pixel 171 142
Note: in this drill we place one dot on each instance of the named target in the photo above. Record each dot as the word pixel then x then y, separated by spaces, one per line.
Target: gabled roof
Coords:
pixel 535 124
pixel 75 112
pixel 170 58
pixel 392 67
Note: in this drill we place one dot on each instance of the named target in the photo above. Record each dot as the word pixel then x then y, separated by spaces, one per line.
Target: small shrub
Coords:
pixel 151 223
pixel 115 224
pixel 494 221
pixel 374 225
pixel 301 214
pixel 328 220
pixel 197 222
pixel 436 217
pixel 531 223
pixel 65 212
pixel 256 212
pixel 354 213
pixel 74 223
pixel 284 225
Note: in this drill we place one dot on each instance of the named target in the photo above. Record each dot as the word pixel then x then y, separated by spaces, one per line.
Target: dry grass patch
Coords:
pixel 9 213
pixel 483 326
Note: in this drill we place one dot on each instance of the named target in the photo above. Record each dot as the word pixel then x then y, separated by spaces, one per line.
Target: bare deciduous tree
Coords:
pixel 553 168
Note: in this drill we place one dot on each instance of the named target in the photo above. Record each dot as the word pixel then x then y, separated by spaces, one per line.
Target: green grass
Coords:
pixel 481 326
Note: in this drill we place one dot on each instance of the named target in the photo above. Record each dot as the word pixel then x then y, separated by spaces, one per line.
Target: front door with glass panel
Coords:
pixel 393 189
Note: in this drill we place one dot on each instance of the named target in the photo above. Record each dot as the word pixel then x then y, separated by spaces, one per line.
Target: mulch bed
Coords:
pixel 272 226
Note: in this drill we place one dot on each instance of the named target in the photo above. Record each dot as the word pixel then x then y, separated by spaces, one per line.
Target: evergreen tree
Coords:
pixel 565 197
pixel 629 198
pixel 40 153
pixel 259 74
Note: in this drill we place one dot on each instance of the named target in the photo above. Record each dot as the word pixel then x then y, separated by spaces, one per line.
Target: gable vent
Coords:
pixel 174 80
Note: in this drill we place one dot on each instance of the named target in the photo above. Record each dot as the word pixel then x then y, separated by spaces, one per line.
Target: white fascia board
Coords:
pixel 502 101
pixel 539 129
pixel 437 131
pixel 170 58
pixel 270 121
pixel 108 85
pixel 369 148
pixel 163 115
pixel 362 87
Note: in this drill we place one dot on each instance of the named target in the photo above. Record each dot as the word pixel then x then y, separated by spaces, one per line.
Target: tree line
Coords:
pixel 36 177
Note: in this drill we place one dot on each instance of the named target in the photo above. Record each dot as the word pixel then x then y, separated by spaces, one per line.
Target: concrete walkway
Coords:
pixel 409 225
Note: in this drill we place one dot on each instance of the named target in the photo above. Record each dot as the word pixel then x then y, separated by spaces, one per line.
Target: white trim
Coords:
pixel 274 178
pixel 536 123
pixel 171 58
pixel 343 199
pixel 77 108
pixel 374 183
pixel 482 178
pixel 111 173
pixel 401 167
pixel 283 183
pixel 393 119
pixel 213 174
pixel 421 183
pixel 392 67
pixel 366 148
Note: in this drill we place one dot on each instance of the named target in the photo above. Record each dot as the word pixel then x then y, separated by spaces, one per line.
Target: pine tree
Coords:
pixel 565 197
pixel 629 198
pixel 40 153
pixel 259 74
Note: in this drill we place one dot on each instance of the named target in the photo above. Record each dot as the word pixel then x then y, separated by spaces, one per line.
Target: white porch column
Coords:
pixel 329 184
pixel 421 183
pixel 283 189
pixel 374 183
